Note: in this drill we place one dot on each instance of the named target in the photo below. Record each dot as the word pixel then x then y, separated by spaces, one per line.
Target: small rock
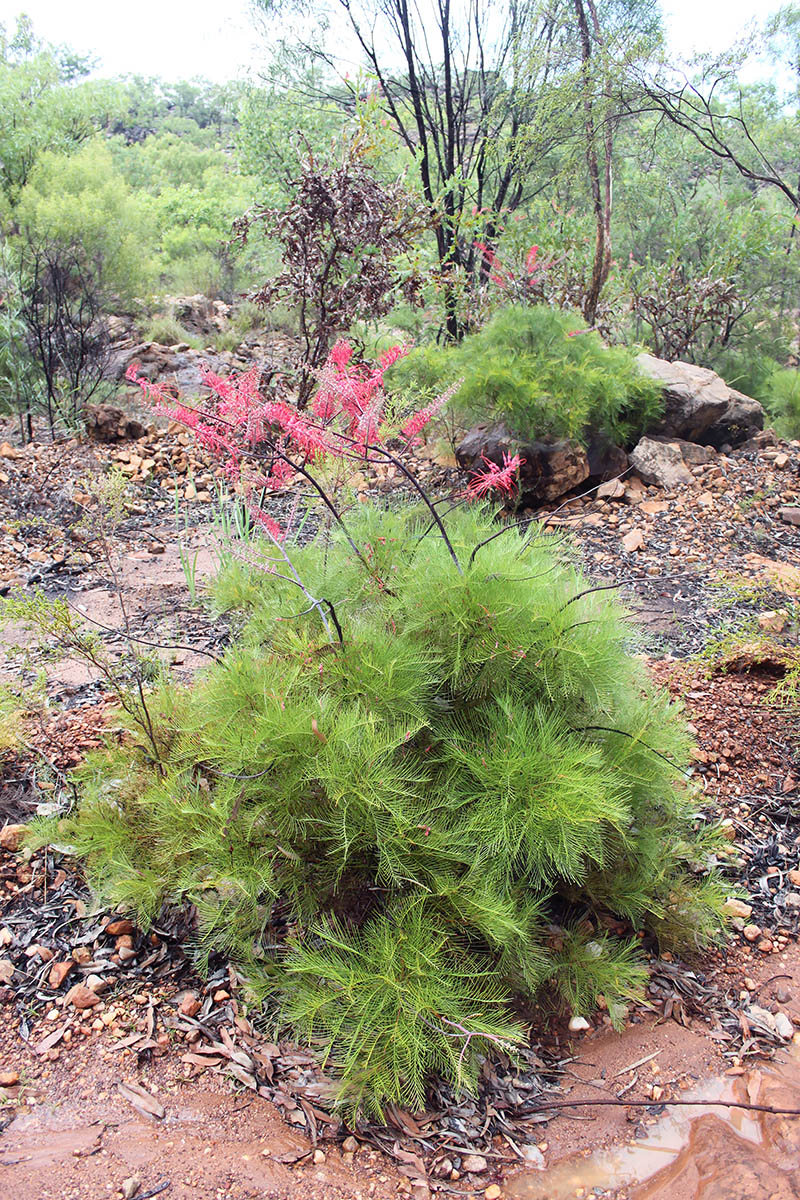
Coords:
pixel 119 928
pixel 773 621
pixel 350 1145
pixel 613 490
pixel 780 461
pixel 579 1025
pixel 190 1005
pixel 751 933
pixel 783 1026
pixel 737 908
pixel 633 541
pixel 11 836
pixel 635 492
pixel 792 900
pixel 474 1164
pixel 59 972
pixel 130 1187
pixel 749 983
pixel 653 507
pixel 789 515
pixel 533 1157
pixel 493 1192
pixel 96 983
pixel 221 996
pixel 81 997
pixel 794 877
pixel 9 1078
pixel 319 1156
pixel 765 945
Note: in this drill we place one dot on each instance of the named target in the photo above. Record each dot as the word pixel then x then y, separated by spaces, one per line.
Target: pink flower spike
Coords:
pixel 268 524
pixel 341 354
pixel 392 355
pixel 418 420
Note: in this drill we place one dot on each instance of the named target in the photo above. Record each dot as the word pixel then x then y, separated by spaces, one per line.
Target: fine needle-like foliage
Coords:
pixel 424 779
pixel 404 833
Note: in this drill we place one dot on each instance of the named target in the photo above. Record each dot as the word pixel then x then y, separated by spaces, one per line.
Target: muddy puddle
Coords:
pixel 703 1153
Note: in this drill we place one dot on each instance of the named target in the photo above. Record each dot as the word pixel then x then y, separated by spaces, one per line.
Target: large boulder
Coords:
pixel 742 420
pixel 550 467
pixel 177 367
pixel 660 463
pixel 694 397
pixel 692 453
pixel 199 314
pixel 698 404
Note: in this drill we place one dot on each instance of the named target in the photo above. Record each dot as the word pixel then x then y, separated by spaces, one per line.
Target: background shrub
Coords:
pixel 542 372
pixel 780 395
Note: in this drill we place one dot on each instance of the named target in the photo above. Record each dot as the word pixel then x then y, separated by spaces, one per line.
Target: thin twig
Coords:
pixel 612 1102
pixel 130 637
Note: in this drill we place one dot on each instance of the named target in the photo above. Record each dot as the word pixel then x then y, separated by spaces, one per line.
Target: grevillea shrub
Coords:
pixel 542 372
pixel 421 786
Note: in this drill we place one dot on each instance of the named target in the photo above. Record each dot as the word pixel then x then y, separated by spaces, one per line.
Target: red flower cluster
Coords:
pixel 494 478
pixel 501 275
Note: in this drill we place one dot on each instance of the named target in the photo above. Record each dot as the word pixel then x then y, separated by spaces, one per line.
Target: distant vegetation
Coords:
pixel 569 165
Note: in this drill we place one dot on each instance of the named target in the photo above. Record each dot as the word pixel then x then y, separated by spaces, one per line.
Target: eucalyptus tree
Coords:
pixel 492 98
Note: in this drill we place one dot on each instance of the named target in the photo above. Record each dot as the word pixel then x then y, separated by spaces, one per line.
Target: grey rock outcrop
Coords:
pixel 106 423
pixel 742 420
pixel 699 406
pixel 606 459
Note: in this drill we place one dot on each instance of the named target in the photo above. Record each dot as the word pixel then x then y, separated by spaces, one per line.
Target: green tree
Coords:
pixel 82 199
pixel 47 105
pixel 190 195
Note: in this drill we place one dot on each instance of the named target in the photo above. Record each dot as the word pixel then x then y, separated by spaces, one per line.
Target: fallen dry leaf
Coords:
pixel 141 1100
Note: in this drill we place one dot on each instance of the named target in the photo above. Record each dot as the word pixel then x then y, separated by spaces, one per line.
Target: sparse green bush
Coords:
pixel 168 331
pixel 11 715
pixel 780 395
pixel 542 372
pixel 400 833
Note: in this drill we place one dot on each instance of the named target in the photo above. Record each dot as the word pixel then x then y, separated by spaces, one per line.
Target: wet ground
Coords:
pixel 704 1153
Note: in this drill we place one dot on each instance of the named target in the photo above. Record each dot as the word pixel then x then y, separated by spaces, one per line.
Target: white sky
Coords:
pixel 180 39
